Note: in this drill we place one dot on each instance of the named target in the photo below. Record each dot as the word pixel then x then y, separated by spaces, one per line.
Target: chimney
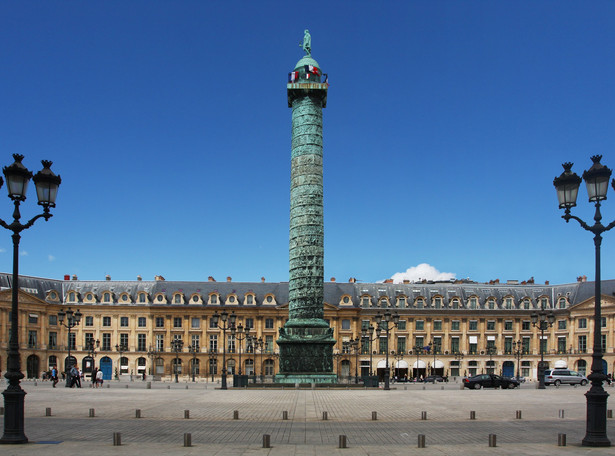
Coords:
pixel 229 279
pixel 388 281
pixel 496 281
pixel 406 281
pixel 352 280
pixel 66 277
pixel 159 278
pixel 546 282
pixel 139 278
pixel 332 279
pixel 74 276
pixel 262 280
pixel 107 277
pixel 211 279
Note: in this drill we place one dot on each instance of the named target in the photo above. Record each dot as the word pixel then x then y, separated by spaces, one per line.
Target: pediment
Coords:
pixel 607 306
pixel 22 296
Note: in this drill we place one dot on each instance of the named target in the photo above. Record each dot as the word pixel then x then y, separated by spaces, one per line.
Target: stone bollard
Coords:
pixel 117 439
pixel 186 386
pixel 423 415
pixel 92 413
pixel 266 441
pixel 187 439
pixel 126 386
pixel 423 388
pixel 108 385
pixel 35 383
pixel 472 415
pixel 421 441
pixel 609 413
pixel 492 440
pixel 442 388
pixel 518 415
pixel 186 414
pixel 461 387
pixel 48 411
pixel 296 385
pixel 374 416
pixel 168 387
pixel 235 414
pixel 313 385
pixel 325 416
pixel 148 385
pixel 561 439
pixel 405 388
pixel 138 413
pixel 343 442
pixel 561 413
pixel 285 415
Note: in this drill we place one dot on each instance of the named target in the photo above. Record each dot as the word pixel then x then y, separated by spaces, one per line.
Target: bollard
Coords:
pixel 561 413
pixel 296 385
pixel 609 413
pixel 518 414
pixel 187 414
pixel 442 388
pixel 35 383
pixel 313 385
pixel 343 442
pixel 266 441
pixel 92 413
pixel 187 439
pixel 235 414
pixel 148 385
pixel 168 387
pixel 374 416
pixel 423 388
pixel 561 439
pixel 285 415
pixel 472 415
pixel 108 385
pixel 2 411
pixel 325 416
pixel 117 439
pixel 423 415
pixel 405 388
pixel 48 411
pixel 492 440
pixel 421 443
pixel 186 386
pixel 138 413
pixel 126 386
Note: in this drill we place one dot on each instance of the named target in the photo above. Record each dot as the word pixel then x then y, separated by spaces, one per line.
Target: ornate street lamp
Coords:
pixel 517 351
pixel 240 335
pixel 250 342
pixel 543 320
pixel 47 183
pixel 418 349
pixel 356 346
pixel 72 319
pixel 91 347
pixel 490 351
pixel 212 357
pixel 567 186
pixel 458 357
pixel 366 333
pixel 176 346
pixel 228 321
pixel 121 349
pixel 194 349
pixel 382 324
pixel 260 344
pixel 153 354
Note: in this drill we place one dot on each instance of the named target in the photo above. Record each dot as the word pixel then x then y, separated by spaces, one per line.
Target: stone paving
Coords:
pixel 160 430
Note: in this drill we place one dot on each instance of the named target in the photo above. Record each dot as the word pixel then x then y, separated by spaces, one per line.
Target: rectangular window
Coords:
pixel 142 322
pixel 268 323
pixel 31 339
pixel 437 345
pixel 455 325
pixel 455 344
pixel 212 324
pixel 141 342
pixel 106 321
pixel 230 343
pixel 561 324
pixel 401 345
pixel 249 322
pixel 124 322
pixel 89 320
pixel 582 323
pixel 53 320
pixel 437 302
pixel 508 325
pixel 32 319
pixel 525 325
pixel 124 340
pixel 437 325
pixel 419 343
pixel 603 342
pixel 106 341
pixel 526 345
pixel 401 325
pixel 195 322
pixel 141 297
pixel 249 299
pixel 160 342
pixel 603 322
pixel 177 322
pixel 269 344
pixel 508 345
pixel 345 324
pixel 72 341
pixel 419 325
pixel 53 340
pixel 544 344
pixel 88 338
pixel 195 341
pixel 473 325
pixel 213 343
pixel 213 367
pixel 491 325
pixel 159 322
pixel 383 345
pixel 561 344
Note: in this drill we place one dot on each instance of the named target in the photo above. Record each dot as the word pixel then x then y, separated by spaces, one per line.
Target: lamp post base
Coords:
pixel 595 435
pixel 14 417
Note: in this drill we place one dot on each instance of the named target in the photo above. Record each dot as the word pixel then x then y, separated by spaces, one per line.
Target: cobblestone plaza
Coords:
pixel 448 428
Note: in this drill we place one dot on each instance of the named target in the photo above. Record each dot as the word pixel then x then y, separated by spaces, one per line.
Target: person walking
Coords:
pixel 93 377
pixel 54 376
pixel 99 378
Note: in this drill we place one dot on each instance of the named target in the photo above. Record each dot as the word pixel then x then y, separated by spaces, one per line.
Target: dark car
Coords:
pixel 433 379
pixel 489 381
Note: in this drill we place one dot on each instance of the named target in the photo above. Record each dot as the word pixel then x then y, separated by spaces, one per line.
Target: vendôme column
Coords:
pixel 306 341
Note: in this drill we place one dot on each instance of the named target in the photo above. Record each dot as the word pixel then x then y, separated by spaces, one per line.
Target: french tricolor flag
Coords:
pixel 293 76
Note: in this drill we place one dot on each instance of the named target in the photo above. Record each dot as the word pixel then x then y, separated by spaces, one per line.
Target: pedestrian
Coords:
pixel 54 376
pixel 99 379
pixel 74 377
pixel 93 377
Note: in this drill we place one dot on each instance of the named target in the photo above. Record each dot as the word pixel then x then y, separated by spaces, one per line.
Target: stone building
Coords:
pixel 452 329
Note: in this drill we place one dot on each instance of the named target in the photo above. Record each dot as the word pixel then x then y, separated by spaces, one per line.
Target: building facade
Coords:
pixel 451 329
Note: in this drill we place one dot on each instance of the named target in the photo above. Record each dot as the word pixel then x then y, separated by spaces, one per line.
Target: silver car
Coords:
pixel 564 376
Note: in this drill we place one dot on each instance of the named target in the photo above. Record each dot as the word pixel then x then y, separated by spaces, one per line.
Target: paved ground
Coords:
pixel 160 430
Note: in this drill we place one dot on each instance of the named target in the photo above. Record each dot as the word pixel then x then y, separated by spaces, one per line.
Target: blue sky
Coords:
pixel 445 126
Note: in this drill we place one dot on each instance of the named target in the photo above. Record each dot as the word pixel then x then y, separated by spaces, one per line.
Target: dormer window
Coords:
pixel 107 297
pixel 420 303
pixel 72 296
pixel 365 301
pixel 473 303
pixel 456 303
pixel 401 301
pixel 437 302
pixel 269 299
pixel 491 304
pixel 231 299
pixel 562 303
pixel 177 298
pixel 142 298
pixel 249 299
pixel 213 299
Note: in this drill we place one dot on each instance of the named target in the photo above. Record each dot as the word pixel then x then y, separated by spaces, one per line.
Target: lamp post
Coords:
pixel 212 357
pixel 260 344
pixel 382 323
pixel 355 345
pixel 490 352
pixel 228 321
pixel 397 356
pixel 153 354
pixel 194 349
pixel 72 319
pixel 458 357
pixel 418 350
pixel 517 351
pixel 176 346
pixel 92 345
pixel 250 348
pixel 366 335
pixel 121 349
pixel 240 334
pixel 433 347
pixel 47 183
pixel 567 186
pixel 542 320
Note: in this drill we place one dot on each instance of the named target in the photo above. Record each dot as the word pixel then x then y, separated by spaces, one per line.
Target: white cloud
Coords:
pixel 2 250
pixel 420 272
pixel 51 258
pixel 23 253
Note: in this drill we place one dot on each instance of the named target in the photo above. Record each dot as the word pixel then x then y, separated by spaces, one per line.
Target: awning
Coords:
pixel 490 337
pixel 421 365
pixel 382 364
pixel 438 364
pixel 560 364
pixel 401 364
pixel 473 339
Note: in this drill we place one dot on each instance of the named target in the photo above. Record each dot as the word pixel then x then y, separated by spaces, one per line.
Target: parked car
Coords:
pixel 564 376
pixel 433 379
pixel 489 381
